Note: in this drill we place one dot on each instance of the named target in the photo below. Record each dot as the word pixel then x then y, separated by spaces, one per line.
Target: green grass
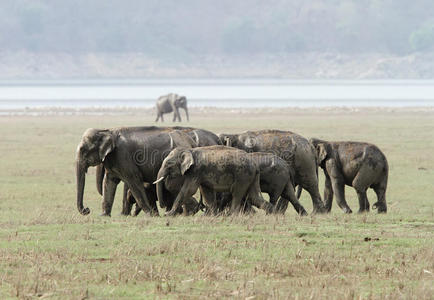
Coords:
pixel 48 250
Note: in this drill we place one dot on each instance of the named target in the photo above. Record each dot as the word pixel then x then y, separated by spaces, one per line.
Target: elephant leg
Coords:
pixel 186 113
pixel 158 116
pixel 109 190
pixel 127 201
pixel 174 117
pixel 178 114
pixel 338 185
pixel 289 195
pixel 237 198
pixel 255 196
pixel 361 183
pixel 151 193
pixel 223 200
pixel 210 200
pixel 187 190
pixel 380 205
pixel 339 190
pixel 273 197
pixel 139 193
pixel 137 210
pixel 246 206
pixel 190 207
pixel 328 193
pixel 363 201
pixel 313 190
pixel 161 116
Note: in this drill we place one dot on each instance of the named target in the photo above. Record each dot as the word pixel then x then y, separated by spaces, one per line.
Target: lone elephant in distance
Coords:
pixel 356 164
pixel 171 103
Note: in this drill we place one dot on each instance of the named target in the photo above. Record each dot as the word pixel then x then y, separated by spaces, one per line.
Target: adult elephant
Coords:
pixel 171 102
pixel 360 165
pixel 131 154
pixel 293 148
pixel 212 169
pixel 200 137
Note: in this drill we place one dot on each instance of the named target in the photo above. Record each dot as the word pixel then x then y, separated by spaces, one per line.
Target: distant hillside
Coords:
pixel 224 38
pixel 26 65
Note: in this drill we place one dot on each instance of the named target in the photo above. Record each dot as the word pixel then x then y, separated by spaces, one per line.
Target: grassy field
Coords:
pixel 49 250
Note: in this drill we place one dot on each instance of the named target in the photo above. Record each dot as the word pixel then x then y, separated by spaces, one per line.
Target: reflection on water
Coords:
pixel 220 93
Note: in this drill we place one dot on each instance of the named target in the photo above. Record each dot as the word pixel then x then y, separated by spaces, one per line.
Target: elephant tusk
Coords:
pixel 160 179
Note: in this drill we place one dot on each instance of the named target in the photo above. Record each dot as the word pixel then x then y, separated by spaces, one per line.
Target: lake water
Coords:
pixel 216 92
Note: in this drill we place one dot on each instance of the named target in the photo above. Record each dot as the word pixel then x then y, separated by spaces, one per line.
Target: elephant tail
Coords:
pixel 100 172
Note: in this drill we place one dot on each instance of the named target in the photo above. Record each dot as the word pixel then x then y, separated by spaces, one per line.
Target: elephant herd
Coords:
pixel 169 164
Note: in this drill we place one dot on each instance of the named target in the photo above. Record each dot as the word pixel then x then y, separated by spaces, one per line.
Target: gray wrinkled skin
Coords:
pixel 212 169
pixel 276 179
pixel 129 154
pixel 356 164
pixel 201 138
pixel 171 102
pixel 291 147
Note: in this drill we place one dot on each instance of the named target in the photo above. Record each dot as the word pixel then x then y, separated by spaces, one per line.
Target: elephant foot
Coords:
pixel 171 213
pixel 348 211
pixel 85 211
pixel 362 211
pixel 302 212
pixel 319 210
pixel 269 208
pixel 380 207
pixel 153 213
pixel 105 215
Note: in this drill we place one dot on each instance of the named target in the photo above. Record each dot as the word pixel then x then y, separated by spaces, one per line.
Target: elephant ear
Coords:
pixel 250 143
pixel 322 152
pixel 181 101
pixel 186 161
pixel 106 144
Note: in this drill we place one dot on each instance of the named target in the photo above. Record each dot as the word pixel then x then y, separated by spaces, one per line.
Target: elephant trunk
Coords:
pixel 186 112
pixel 100 172
pixel 80 170
pixel 160 186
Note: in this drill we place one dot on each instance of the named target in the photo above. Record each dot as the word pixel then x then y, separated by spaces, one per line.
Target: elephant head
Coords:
pixel 174 166
pixel 93 149
pixel 230 140
pixel 244 141
pixel 322 150
pixel 181 101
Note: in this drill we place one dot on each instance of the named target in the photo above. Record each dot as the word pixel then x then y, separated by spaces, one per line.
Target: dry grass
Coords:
pixel 48 250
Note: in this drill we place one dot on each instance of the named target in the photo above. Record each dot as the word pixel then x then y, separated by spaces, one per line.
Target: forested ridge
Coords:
pixel 201 34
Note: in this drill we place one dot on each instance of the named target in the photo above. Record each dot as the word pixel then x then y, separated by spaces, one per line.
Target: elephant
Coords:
pixel 293 148
pixel 212 169
pixel 131 154
pixel 356 164
pixel 201 138
pixel 276 179
pixel 171 102
pixel 191 206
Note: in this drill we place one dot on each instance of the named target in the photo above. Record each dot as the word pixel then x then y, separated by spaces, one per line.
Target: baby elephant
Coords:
pixel 276 179
pixel 360 165
pixel 212 169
